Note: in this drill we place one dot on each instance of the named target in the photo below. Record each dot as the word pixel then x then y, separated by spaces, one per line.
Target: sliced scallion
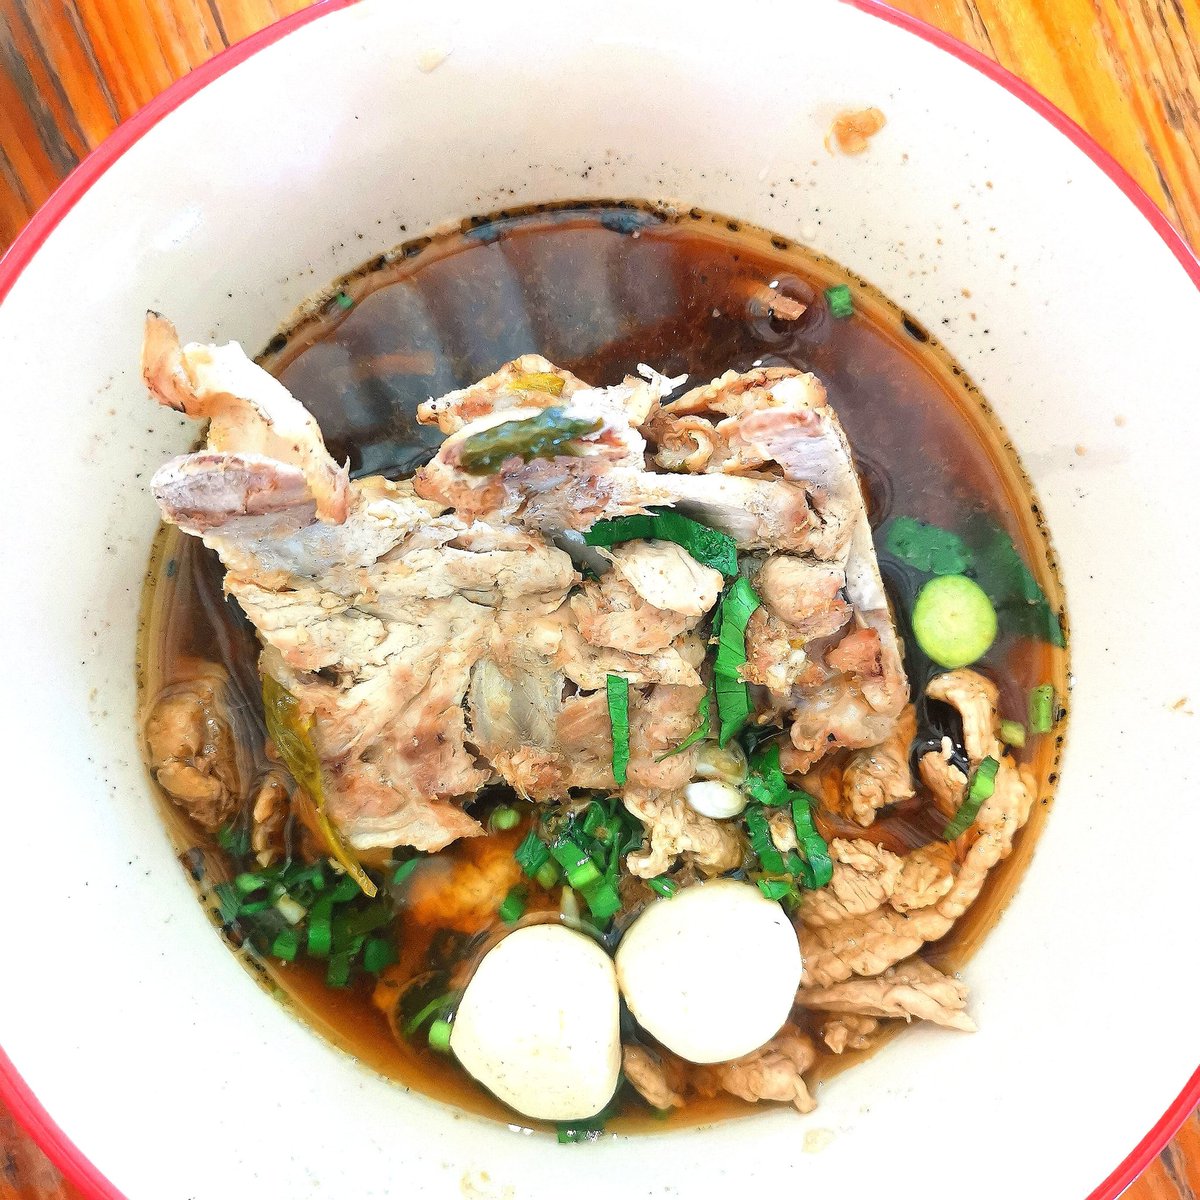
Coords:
pixel 1012 733
pixel 532 854
pixel 439 1035
pixel 1041 708
pixel 512 908
pixel 378 953
pixel 547 875
pixel 775 889
pixel 663 886
pixel 404 870
pixel 504 817
pixel 983 784
pixel 729 627
pixel 840 300
pixel 603 899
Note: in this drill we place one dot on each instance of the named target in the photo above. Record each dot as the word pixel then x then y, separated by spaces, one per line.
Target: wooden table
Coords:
pixel 1127 70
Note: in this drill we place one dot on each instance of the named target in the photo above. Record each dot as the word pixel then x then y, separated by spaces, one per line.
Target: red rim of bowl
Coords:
pixel 14 1092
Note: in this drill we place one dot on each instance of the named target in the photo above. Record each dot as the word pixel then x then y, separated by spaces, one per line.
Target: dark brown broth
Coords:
pixel 599 290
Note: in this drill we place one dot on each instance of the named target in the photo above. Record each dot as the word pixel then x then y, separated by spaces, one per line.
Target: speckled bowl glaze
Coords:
pixel 149 1050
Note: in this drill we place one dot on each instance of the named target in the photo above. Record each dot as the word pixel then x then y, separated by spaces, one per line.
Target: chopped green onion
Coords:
pixel 439 1036
pixel 378 953
pixel 983 784
pixel 663 886
pixel 248 882
pixel 840 300
pixel 812 845
pixel 503 818
pixel 707 546
pixel 234 840
pixel 729 627
pixel 286 945
pixel 765 781
pixel 405 869
pixel 583 875
pixel 320 929
pixel 1041 708
pixel 603 899
pixel 512 908
pixel 338 973
pixel 229 902
pixel 343 301
pixel 1012 733
pixel 547 435
pixel 438 1003
pixel 928 548
pixel 532 854
pixel 547 875
pixel 345 889
pixel 617 692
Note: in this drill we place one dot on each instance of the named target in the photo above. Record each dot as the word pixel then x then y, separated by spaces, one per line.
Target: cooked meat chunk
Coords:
pixel 864 877
pixel 647 600
pixel 269 813
pixel 772 1072
pixel 912 989
pixel 461 890
pixel 257 431
pixel 848 1031
pixel 191 748
pixel 648 1076
pixel 932 887
pixel 879 775
pixel 674 828
pixel 805 593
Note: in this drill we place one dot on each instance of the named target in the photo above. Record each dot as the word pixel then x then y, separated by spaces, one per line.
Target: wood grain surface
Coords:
pixel 1127 70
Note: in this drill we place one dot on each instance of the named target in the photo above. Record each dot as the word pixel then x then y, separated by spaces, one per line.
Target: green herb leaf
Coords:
pixel 405 869
pixel 547 435
pixel 532 854
pixel 617 691
pixel 983 784
pixel 291 731
pixel 729 626
pixel 378 953
pixel 1018 597
pixel 927 548
pixel 775 889
pixel 708 546
pixel 663 886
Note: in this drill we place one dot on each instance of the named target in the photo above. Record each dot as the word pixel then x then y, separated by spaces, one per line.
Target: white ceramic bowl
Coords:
pixel 150 1052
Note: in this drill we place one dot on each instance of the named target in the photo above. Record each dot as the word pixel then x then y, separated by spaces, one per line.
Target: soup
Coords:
pixel 598 290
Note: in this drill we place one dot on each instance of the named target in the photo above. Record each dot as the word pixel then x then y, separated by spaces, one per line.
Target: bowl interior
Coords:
pixel 983 221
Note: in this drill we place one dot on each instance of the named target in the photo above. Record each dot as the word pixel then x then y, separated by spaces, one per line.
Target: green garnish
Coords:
pixel 547 875
pixel 512 908
pixel 378 953
pixel 546 435
pixel 532 854
pixel 575 860
pixel 441 1004
pixel 729 628
pixel 663 886
pixel 343 301
pixel 1012 733
pixel 617 691
pixel 1014 591
pixel 504 817
pixel 595 822
pixel 708 546
pixel 840 300
pixel 404 870
pixel 774 889
pixel 983 784
pixel 954 621
pixel 603 899
pixel 291 731
pixel 928 548
pixel 767 784
pixel 439 1036
pixel 234 839
pixel 1041 708
pixel 286 945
